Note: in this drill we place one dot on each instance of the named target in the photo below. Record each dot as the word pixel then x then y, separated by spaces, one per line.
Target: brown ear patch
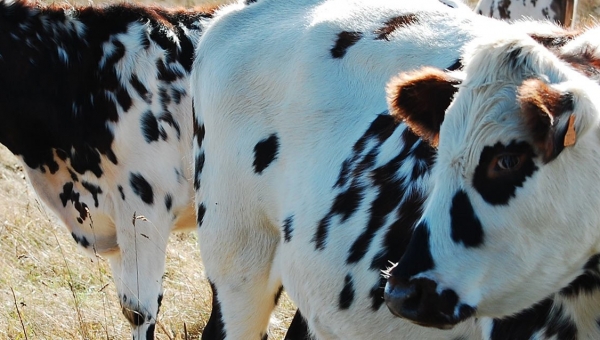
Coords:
pixel 543 108
pixel 420 99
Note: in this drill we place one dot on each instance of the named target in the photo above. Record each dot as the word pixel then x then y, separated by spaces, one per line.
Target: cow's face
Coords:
pixel 514 210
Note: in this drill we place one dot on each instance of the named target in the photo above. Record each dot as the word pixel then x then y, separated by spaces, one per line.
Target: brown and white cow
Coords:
pixel 511 220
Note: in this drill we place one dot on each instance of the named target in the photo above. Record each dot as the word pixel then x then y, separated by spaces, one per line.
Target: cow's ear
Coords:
pixel 549 116
pixel 420 99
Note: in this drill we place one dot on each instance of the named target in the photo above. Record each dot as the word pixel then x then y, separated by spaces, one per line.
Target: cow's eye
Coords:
pixel 508 162
pixel 503 168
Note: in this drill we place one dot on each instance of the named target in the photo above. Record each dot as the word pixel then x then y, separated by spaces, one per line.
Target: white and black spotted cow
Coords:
pixel 95 101
pixel 306 180
pixel 559 11
pixel 512 219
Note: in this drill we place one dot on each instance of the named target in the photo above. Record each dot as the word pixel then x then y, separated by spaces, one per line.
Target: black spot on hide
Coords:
pixel 343 42
pixel 141 187
pixel 265 152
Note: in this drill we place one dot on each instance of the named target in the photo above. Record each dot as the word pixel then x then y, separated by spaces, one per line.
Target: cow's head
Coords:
pixel 513 214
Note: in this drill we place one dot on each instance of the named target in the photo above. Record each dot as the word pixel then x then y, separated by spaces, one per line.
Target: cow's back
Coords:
pixel 316 56
pixel 315 76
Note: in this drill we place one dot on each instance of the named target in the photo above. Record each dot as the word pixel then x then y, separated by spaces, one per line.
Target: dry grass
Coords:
pixel 49 290
pixel 588 12
pixel 60 293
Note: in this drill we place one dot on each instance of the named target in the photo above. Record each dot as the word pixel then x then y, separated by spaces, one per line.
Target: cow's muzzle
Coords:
pixel 418 301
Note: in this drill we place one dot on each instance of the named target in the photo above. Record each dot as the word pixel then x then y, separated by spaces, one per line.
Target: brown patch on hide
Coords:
pixel 393 24
pixel 165 16
pixel 556 40
pixel 585 62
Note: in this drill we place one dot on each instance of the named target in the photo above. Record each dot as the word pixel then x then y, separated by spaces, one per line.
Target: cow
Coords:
pixel 306 181
pixel 559 11
pixel 510 225
pixel 95 102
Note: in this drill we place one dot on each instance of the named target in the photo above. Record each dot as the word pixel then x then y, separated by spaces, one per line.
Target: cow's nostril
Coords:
pixel 418 301
pixel 397 293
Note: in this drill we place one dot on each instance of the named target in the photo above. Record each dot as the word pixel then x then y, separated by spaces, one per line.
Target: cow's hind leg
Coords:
pixel 237 251
pixel 298 329
pixel 138 269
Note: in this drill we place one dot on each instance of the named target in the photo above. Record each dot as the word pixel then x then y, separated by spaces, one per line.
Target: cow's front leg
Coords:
pixel 238 256
pixel 138 270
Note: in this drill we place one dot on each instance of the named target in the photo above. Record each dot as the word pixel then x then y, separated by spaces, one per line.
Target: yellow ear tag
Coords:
pixel 571 135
